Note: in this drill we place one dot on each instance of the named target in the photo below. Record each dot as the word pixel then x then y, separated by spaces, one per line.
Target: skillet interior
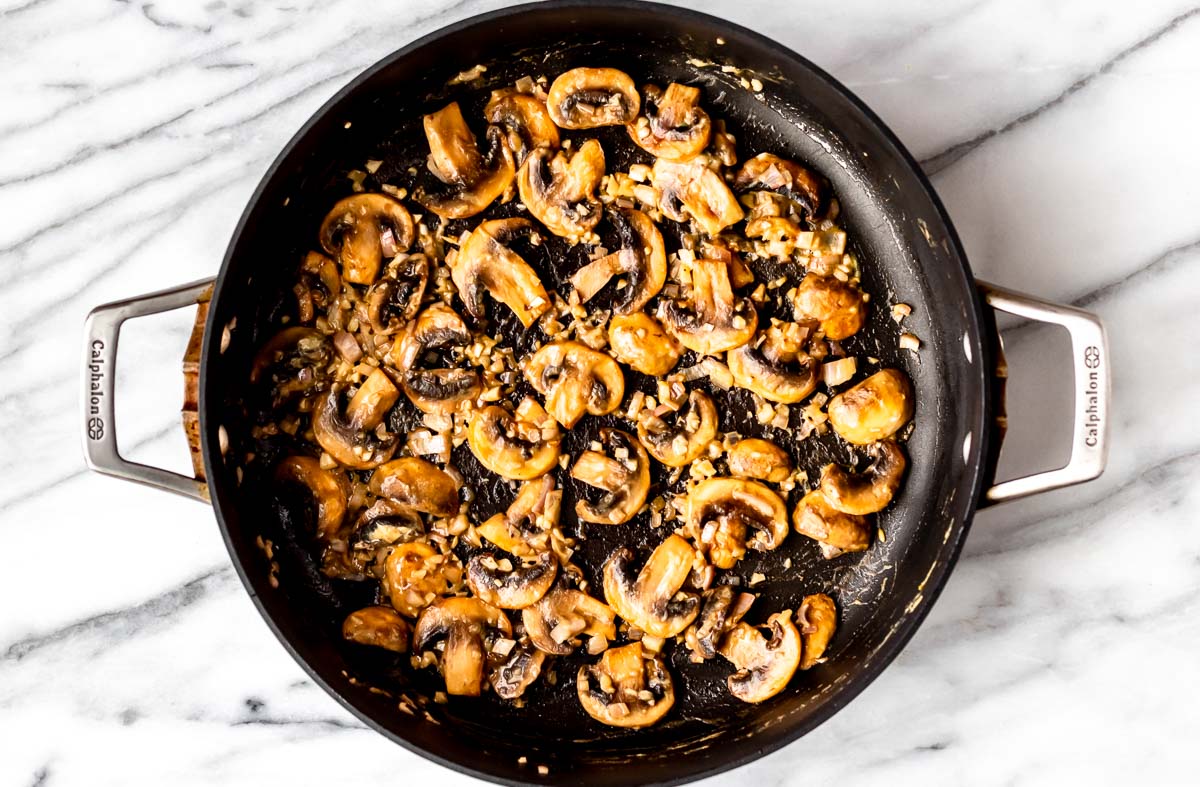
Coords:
pixel 909 254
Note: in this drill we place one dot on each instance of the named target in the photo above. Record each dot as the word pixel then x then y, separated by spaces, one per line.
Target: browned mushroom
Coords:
pixel 520 445
pixel 504 583
pixel 522 666
pixel 836 532
pixel 294 362
pixel 725 510
pixel 679 443
pixel 817 620
pixel 764 666
pixel 454 158
pixel 673 125
pixel 524 529
pixel 468 627
pixel 837 306
pixel 485 262
pixel 640 259
pixel 361 230
pixel 641 342
pixel 593 97
pixel 761 459
pixel 722 607
pixel 624 477
pixel 371 402
pixel 418 484
pixel 415 576
pixel 328 491
pixel 556 621
pixel 438 329
pixel 317 286
pixel 776 366
pixel 652 600
pixel 875 409
pixel 626 688
pixel 870 490
pixel 560 189
pixel 575 379
pixel 524 118
pixel 768 171
pixel 693 190
pixel 712 319
pixel 380 528
pixel 349 442
pixel 381 627
pixel 395 298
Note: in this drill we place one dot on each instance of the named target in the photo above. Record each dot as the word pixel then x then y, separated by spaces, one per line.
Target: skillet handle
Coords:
pixel 101 332
pixel 1089 351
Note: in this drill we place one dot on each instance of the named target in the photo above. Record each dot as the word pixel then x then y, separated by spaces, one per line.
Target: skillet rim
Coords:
pixel 978 464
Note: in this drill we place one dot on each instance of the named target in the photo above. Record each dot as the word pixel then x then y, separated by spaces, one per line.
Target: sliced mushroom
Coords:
pixel 395 298
pixel 836 532
pixel 520 445
pixel 679 443
pixel 317 286
pixel 642 343
pixel 722 607
pixel 561 616
pixel 625 479
pixel 870 490
pixel 381 627
pixel 294 361
pixel 454 158
pixel 725 510
pixel 764 665
pixel 347 442
pixel 775 367
pixel 468 626
pixel 712 319
pixel 328 491
pixel 837 306
pixel 641 259
pixel 371 402
pixel 575 379
pixel 361 230
pixel 672 126
pixel 508 585
pixel 439 329
pixel 417 483
pixel 525 120
pixel 524 529
pixel 652 600
pixel 761 459
pixel 520 669
pixel 626 688
pixel 386 524
pixel 768 171
pixel 593 97
pixel 484 262
pixel 817 619
pixel 875 409
pixel 416 574
pixel 559 189
pixel 693 190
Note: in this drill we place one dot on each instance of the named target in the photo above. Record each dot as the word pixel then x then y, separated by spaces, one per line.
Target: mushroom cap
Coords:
pixel 484 262
pixel 559 189
pixel 516 588
pixel 838 306
pixel 870 490
pixel 435 390
pixel 641 342
pixel 415 574
pixel 417 483
pixel 520 445
pixel 465 623
pixel 328 491
pixel 652 600
pixel 754 505
pixel 639 692
pixel 351 446
pixel 625 479
pixel 755 457
pixel 673 126
pixel 593 97
pixel 525 120
pixel 764 665
pixel 837 532
pixel 776 379
pixel 522 667
pixel 562 615
pixel 524 529
pixel 875 409
pixel 768 171
pixel 680 443
pixel 692 190
pixel 817 619
pixel 395 298
pixel 575 379
pixel 379 626
pixel 454 158
pixel 641 258
pixel 721 609
pixel 713 319
pixel 317 285
pixel 358 228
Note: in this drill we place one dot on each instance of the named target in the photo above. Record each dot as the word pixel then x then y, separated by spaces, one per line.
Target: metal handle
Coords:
pixel 101 332
pixel 1089 351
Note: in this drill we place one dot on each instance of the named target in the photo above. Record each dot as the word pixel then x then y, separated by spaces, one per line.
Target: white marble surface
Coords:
pixel 1063 138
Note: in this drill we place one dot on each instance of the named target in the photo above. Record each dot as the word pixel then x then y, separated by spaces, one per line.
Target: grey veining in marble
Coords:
pixel 1063 139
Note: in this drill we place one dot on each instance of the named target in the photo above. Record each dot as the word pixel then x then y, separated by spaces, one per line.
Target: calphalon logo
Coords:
pixel 1091 413
pixel 95 424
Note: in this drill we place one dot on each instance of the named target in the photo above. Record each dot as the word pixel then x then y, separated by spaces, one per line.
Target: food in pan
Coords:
pixel 431 352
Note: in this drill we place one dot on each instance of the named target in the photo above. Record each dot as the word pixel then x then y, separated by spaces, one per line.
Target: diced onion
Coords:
pixel 838 372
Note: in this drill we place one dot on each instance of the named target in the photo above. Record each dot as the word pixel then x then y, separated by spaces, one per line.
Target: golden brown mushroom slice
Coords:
pixel 361 230
pixel 642 343
pixel 328 491
pixel 731 514
pixel 524 529
pixel 626 688
pixel 875 409
pixel 640 259
pixel 349 441
pixel 692 190
pixel 395 298
pixel 508 584
pixel 560 617
pixel 712 319
pixel 381 627
pixel 417 483
pixel 416 575
pixel 371 402
pixel 439 330
pixel 685 437
pixel 770 172
pixel 559 189
pixel 836 532
pixel 870 490
pixel 486 263
pixel 468 626
pixel 525 120
pixel 817 621
pixel 476 179
pixel 721 609
pixel 575 379
pixel 522 666
pixel 317 286
pixel 593 97
pixel 761 459
pixel 776 367
pixel 294 362
pixel 624 476
pixel 652 599
pixel 764 666
pixel 520 445
pixel 672 126
pixel 838 306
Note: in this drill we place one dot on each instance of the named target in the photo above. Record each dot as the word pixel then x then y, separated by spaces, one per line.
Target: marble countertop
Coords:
pixel 1063 139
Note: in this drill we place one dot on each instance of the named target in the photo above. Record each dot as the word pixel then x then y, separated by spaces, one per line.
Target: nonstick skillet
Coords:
pixel 909 252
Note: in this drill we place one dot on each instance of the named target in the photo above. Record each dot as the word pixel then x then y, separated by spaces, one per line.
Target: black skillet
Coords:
pixel 909 252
